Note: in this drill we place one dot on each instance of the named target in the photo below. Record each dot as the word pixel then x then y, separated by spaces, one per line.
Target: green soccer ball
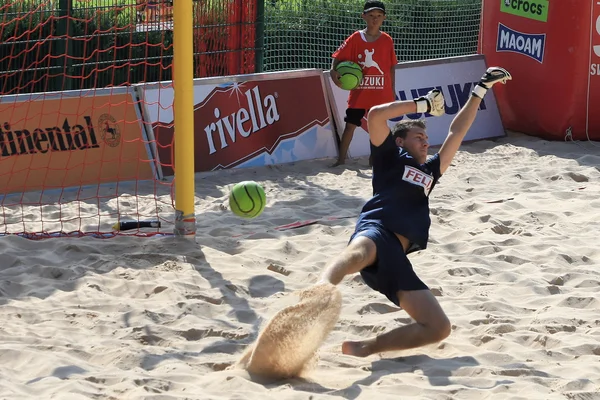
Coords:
pixel 350 74
pixel 247 199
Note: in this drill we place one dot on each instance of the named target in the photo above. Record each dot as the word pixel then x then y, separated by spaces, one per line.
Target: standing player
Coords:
pixel 396 221
pixel 373 50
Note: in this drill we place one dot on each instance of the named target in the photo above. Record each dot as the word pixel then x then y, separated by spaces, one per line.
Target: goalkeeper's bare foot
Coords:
pixel 337 164
pixel 356 349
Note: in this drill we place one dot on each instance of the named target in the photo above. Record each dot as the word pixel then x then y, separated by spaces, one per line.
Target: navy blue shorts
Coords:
pixel 391 271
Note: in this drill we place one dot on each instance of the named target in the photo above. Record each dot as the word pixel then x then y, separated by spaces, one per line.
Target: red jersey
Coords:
pixel 376 59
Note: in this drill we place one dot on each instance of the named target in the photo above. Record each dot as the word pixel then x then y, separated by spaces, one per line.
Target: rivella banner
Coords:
pixel 72 138
pixel 454 76
pixel 247 120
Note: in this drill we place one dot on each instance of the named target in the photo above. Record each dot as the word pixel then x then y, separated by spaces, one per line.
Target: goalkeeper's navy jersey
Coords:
pixel 401 187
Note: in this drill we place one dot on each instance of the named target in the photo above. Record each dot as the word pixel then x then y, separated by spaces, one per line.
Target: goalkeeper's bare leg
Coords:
pixel 431 324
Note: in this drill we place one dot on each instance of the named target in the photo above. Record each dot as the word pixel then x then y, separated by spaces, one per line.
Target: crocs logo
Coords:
pixel 530 9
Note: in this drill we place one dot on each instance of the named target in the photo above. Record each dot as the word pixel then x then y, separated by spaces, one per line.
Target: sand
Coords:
pixel 514 259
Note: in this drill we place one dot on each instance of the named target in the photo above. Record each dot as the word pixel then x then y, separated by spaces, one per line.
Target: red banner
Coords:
pixel 236 122
pixel 555 70
pixel 593 117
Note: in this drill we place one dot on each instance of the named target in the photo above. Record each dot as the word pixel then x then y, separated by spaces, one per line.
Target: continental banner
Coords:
pixel 454 76
pixel 75 138
pixel 552 50
pixel 247 120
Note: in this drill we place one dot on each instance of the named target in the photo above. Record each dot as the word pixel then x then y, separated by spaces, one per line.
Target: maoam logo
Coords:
pixel 15 142
pixel 455 96
pixel 531 9
pixel 530 45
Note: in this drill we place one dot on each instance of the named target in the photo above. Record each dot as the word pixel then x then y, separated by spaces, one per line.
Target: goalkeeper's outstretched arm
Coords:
pixel 432 102
pixel 464 119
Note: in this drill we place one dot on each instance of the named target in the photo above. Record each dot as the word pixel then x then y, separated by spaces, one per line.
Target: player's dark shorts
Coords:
pixel 354 116
pixel 392 271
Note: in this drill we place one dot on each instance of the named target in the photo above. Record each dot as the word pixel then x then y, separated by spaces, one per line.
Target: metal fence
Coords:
pixel 304 33
pixel 50 45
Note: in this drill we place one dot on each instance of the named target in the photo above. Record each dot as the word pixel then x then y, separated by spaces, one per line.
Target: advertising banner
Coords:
pixel 593 91
pixel 74 138
pixel 545 44
pixel 454 76
pixel 247 120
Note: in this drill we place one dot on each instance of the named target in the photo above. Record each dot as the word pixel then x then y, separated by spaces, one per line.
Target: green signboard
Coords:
pixel 532 9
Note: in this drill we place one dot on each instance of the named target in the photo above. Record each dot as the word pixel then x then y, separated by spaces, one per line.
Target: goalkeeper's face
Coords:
pixel 416 143
pixel 374 19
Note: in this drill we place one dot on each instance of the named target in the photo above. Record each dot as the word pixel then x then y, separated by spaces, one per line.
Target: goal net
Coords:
pixel 86 88
pixel 75 155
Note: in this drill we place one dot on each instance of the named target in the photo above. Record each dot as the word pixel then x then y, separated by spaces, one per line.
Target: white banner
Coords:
pixel 455 76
